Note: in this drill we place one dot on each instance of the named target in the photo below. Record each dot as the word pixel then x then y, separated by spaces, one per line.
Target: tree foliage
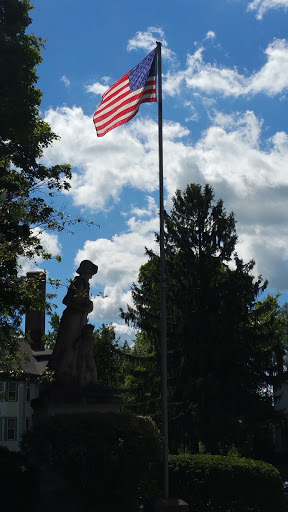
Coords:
pixel 49 339
pixel 129 370
pixel 26 185
pixel 104 457
pixel 217 483
pixel 112 366
pixel 222 353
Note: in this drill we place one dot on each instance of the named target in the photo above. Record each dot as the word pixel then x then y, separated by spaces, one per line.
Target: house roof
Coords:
pixel 41 359
pixel 31 362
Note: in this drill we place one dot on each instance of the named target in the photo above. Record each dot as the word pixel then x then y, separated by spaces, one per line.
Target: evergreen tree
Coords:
pixel 142 378
pixel 130 371
pixel 284 318
pixel 218 364
pixel 109 357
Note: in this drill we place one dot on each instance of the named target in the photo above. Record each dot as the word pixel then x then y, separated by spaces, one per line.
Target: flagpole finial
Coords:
pixel 158 43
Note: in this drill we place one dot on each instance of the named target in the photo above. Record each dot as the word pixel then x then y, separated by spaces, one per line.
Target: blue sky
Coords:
pixel 225 80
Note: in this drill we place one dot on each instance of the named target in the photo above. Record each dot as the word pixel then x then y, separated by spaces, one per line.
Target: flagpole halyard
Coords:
pixel 163 323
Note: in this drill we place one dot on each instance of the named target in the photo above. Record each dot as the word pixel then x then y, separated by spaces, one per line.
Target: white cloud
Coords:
pixel 271 79
pixel 233 154
pixel 247 171
pixel 120 258
pixel 65 80
pixel 147 41
pixel 97 88
pixel 151 209
pixel 107 308
pixel 204 76
pixel 119 261
pixel 125 332
pixel 141 41
pixel 262 6
pixel 210 35
pixel 126 156
pixel 252 182
pixel 50 243
pixel 272 252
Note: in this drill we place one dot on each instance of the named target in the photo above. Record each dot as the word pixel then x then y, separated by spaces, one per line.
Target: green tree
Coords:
pixel 26 185
pixel 142 378
pixel 284 318
pixel 108 358
pixel 269 321
pixel 130 371
pixel 219 369
pixel 50 338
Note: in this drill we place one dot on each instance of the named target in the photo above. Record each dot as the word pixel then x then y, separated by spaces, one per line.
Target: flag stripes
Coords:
pixel 121 103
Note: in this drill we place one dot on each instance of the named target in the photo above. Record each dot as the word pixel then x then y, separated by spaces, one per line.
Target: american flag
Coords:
pixel 122 101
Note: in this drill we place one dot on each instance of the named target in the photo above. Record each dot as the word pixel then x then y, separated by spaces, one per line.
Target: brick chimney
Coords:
pixel 35 320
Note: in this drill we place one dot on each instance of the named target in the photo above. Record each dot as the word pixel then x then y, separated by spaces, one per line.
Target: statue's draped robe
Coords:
pixel 74 318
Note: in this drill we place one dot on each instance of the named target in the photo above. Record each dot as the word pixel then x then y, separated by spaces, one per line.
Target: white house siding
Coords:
pixel 17 412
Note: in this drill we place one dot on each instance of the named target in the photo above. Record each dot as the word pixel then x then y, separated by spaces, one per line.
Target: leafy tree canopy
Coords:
pixel 26 185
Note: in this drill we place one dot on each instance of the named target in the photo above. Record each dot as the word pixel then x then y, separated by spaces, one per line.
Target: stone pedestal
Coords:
pixel 56 399
pixel 171 505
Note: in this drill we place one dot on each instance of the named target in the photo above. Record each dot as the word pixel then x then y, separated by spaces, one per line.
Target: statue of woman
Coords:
pixel 74 318
pixel 85 367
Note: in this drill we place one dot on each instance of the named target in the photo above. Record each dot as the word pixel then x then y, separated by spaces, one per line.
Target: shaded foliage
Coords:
pixel 223 349
pixel 110 364
pixel 26 185
pixel 106 458
pixel 17 479
pixel 226 484
pixel 49 339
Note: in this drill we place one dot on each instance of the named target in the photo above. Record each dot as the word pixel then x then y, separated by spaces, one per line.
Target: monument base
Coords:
pixel 171 505
pixel 58 399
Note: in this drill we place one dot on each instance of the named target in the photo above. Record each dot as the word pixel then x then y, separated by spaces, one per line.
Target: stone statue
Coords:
pixel 85 367
pixel 72 358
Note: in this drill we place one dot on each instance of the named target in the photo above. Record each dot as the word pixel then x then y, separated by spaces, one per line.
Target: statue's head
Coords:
pixel 87 267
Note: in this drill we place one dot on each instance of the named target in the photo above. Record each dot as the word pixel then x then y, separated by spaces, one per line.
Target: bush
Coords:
pixel 218 483
pixel 105 457
pixel 17 480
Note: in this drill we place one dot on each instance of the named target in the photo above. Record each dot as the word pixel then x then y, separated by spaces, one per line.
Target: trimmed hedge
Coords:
pixel 218 483
pixel 105 457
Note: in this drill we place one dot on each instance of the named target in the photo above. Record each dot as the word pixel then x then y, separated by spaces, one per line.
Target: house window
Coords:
pixel 12 391
pixel 11 429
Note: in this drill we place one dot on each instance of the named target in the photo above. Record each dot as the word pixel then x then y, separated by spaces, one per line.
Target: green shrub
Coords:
pixel 17 479
pixel 105 457
pixel 218 483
